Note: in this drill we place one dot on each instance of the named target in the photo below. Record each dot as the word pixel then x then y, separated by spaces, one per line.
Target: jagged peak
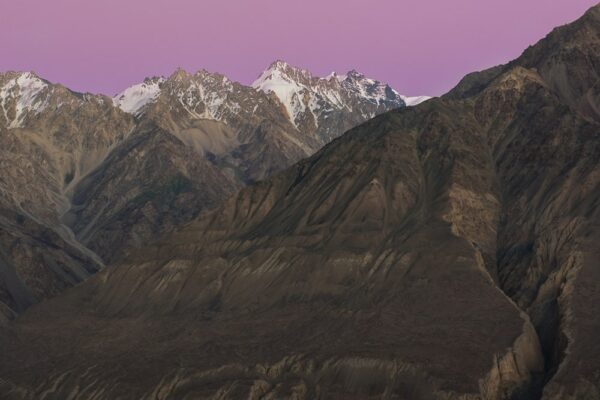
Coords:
pixel 288 83
pixel 335 76
pixel 278 64
pixel 354 74
pixel 204 74
pixel 22 78
pixel 179 74
pixel 282 69
pixel 282 65
pixel 17 74
pixel 133 99
pixel 154 79
pixel 23 88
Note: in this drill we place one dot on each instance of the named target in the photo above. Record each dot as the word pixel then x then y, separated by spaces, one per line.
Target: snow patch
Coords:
pixel 336 76
pixel 413 101
pixel 25 90
pixel 371 90
pixel 210 91
pixel 133 99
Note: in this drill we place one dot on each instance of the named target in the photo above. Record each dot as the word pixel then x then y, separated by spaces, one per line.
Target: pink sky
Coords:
pixel 418 46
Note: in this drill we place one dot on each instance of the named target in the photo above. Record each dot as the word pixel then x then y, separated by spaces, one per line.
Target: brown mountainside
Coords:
pixel 445 251
pixel 93 181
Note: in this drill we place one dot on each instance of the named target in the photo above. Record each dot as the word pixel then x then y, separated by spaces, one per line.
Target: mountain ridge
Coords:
pixel 182 144
pixel 294 85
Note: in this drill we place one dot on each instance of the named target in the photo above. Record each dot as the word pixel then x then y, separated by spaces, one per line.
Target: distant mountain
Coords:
pixel 133 99
pixel 320 106
pixel 438 252
pixel 50 137
pixel 87 178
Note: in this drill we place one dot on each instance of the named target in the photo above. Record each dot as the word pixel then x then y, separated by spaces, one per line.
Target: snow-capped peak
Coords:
pixel 355 75
pixel 134 98
pixel 307 99
pixel 283 69
pixel 25 88
pixel 370 89
pixel 277 79
pixel 300 92
pixel 203 95
pixel 278 64
pixel 336 76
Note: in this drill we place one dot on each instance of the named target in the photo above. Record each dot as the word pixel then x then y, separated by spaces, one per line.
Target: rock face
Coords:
pixel 87 177
pixel 445 251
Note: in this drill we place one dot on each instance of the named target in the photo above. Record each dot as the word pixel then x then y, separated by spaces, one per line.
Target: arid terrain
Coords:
pixel 444 251
pixel 87 178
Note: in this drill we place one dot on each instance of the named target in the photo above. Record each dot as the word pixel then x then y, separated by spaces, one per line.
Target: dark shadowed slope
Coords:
pixel 446 251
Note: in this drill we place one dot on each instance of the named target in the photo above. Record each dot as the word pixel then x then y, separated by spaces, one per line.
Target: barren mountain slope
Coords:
pixel 444 251
pixel 49 138
pixel 150 184
pixel 231 133
pixel 101 176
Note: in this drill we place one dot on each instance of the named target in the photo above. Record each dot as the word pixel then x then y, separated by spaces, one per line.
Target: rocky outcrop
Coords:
pixel 519 372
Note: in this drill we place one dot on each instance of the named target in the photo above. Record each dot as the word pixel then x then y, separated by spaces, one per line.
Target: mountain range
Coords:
pixel 446 251
pixel 87 177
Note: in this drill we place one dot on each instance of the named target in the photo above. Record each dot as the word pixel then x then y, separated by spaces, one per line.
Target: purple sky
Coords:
pixel 418 46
